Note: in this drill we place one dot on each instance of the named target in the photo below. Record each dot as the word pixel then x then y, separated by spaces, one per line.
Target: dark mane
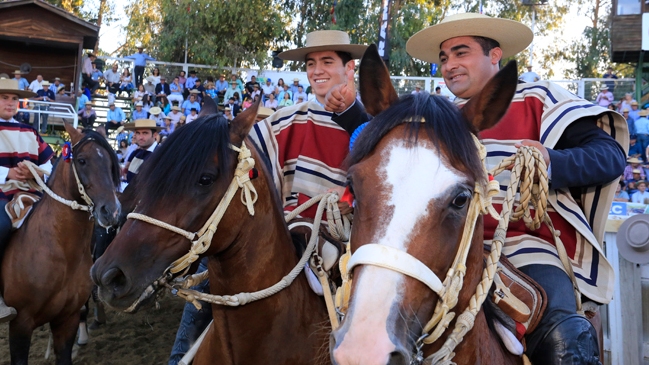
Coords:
pixel 175 167
pixel 445 126
pixel 90 135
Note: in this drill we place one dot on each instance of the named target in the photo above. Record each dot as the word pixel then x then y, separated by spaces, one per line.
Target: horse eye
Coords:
pixel 81 161
pixel 460 200
pixel 206 180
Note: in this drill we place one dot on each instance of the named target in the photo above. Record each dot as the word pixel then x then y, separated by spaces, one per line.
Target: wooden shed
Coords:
pixel 49 39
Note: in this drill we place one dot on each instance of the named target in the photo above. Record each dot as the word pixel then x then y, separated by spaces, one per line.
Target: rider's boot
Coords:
pixel 6 313
pixel 571 341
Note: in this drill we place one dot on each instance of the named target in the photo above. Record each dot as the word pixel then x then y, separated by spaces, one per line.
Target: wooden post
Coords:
pixel 625 311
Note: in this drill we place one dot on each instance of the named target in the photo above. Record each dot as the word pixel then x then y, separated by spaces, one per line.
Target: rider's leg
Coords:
pixel 562 337
pixel 6 313
pixel 193 322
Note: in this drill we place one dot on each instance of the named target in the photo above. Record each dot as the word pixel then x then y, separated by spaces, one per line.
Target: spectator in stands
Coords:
pixel 247 102
pixel 633 164
pixel 57 85
pixel 234 88
pixel 181 78
pixel 113 79
pixel 417 90
pixel 438 90
pixel 605 97
pixel 255 92
pixel 147 102
pixel 642 130
pixel 284 90
pixel 191 81
pixel 630 122
pixel 237 98
pixel 176 88
pixel 155 77
pixel 299 100
pixel 294 87
pixel 642 195
pixel 610 74
pixel 626 102
pixel 221 86
pixel 210 92
pixel 164 104
pixel 157 115
pixel 633 113
pixel 44 94
pixel 190 103
pixel 126 82
pixel 234 108
pixel 60 91
pixel 227 113
pixel 162 89
pixel 250 85
pixel 86 73
pixel 81 99
pixel 149 86
pixel 620 194
pixel 529 76
pixel 97 75
pixel 198 86
pixel 280 85
pixel 23 84
pixel 139 112
pixel 123 148
pixel 36 84
pixel 193 114
pixel 635 149
pixel 267 88
pixel 235 78
pixel 146 133
pixel 168 127
pixel 285 102
pixel 299 94
pixel 87 115
pixel 181 122
pixel 140 63
pixel 115 117
pixel 175 114
pixel 271 103
pixel 139 94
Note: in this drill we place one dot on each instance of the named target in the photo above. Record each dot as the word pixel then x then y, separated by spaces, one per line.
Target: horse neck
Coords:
pixel 261 256
pixel 63 183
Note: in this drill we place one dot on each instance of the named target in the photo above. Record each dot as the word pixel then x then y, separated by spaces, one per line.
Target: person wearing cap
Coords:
pixel 23 84
pixel 87 115
pixel 193 115
pixel 642 195
pixel 139 112
pixel 642 131
pixel 115 117
pixel 140 63
pixel 234 88
pixel 529 76
pixel 189 104
pixel 18 143
pixel 582 159
pixel 86 73
pixel 145 133
pixel 313 168
pixel 605 97
pixel 44 94
pixel 295 85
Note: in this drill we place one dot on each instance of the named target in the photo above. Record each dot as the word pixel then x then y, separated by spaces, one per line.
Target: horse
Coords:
pixel 181 184
pixel 413 171
pixel 45 266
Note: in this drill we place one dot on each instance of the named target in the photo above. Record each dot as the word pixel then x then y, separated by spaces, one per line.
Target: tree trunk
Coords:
pixel 100 16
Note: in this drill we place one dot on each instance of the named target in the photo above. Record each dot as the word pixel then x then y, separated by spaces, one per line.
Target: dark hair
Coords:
pixel 438 88
pixel 487 44
pixel 344 56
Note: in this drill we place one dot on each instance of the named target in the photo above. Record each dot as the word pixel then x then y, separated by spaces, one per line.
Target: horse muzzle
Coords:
pixel 107 214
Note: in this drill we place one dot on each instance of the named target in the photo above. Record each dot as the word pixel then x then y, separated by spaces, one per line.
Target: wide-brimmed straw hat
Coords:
pixel 155 110
pixel 633 160
pixel 512 36
pixel 8 86
pixel 324 40
pixel 264 112
pixel 175 107
pixel 643 113
pixel 45 83
pixel 142 124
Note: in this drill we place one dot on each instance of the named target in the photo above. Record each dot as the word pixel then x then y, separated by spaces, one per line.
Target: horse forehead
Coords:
pixel 412 177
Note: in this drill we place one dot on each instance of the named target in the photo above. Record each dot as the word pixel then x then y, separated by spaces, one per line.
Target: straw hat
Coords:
pixel 155 110
pixel 17 72
pixel 643 112
pixel 636 171
pixel 324 40
pixel 194 91
pixel 633 160
pixel 88 103
pixel 45 83
pixel 11 87
pixel 139 103
pixel 142 124
pixel 512 36
pixel 175 107
pixel 633 239
pixel 604 88
pixel 264 112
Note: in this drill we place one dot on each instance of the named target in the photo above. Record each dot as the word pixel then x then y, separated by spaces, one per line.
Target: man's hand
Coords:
pixel 20 173
pixel 340 97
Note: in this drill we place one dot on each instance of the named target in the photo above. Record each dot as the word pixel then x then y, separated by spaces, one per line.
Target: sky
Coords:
pixel 113 36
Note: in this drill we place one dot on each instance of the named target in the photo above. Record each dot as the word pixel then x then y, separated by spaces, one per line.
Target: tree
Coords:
pixel 145 21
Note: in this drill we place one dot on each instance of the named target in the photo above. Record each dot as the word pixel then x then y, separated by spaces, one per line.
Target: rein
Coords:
pixel 70 203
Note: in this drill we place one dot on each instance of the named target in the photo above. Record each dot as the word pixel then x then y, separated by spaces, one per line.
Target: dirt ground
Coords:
pixel 142 338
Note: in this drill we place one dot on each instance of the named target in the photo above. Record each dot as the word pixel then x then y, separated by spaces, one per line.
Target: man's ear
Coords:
pixel 496 55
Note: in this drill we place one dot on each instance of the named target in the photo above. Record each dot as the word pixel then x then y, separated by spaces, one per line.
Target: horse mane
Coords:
pixel 90 135
pixel 444 124
pixel 176 165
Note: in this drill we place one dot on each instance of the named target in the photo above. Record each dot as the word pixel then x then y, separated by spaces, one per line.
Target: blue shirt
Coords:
pixel 191 82
pixel 175 89
pixel 633 114
pixel 49 94
pixel 117 115
pixel 187 106
pixel 630 122
pixel 139 115
pixel 81 101
pixel 642 126
pixel 96 74
pixel 22 83
pixel 141 58
pixel 220 85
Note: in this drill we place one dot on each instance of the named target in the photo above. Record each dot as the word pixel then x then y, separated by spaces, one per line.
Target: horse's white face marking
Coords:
pixel 412 178
pixel 99 152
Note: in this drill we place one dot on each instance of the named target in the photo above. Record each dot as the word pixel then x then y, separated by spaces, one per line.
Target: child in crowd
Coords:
pixel 193 114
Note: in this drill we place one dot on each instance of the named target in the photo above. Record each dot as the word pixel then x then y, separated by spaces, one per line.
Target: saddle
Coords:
pixel 19 207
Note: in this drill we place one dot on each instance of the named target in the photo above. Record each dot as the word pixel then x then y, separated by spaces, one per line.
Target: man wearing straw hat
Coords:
pixel 23 84
pixel 145 135
pixel 307 142
pixel 584 164
pixel 18 142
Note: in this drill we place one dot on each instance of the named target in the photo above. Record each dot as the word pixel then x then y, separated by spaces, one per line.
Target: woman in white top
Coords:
pixel 271 103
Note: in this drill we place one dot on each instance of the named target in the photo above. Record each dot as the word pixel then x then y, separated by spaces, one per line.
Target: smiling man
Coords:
pixel 307 142
pixel 581 145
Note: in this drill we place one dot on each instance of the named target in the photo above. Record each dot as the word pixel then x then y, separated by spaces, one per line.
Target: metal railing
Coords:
pixel 54 109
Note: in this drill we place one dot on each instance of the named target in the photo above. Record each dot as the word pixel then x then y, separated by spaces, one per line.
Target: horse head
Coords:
pixel 180 184
pixel 96 167
pixel 413 172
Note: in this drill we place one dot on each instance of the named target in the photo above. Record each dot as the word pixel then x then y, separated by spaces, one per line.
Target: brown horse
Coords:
pixel 181 184
pixel 413 172
pixel 46 264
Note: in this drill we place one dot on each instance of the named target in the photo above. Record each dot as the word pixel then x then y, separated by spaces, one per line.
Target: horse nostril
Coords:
pixel 399 358
pixel 113 278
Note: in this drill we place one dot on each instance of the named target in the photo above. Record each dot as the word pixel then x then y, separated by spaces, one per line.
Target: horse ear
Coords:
pixel 377 92
pixel 241 125
pixel 209 107
pixel 75 135
pixel 485 109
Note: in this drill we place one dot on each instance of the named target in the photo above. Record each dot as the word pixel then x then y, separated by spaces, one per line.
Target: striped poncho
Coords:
pixel 306 149
pixel 541 111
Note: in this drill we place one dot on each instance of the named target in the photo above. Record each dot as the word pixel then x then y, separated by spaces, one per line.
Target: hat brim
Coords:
pixel 512 36
pixel 299 54
pixel 131 127
pixel 639 255
pixel 20 93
